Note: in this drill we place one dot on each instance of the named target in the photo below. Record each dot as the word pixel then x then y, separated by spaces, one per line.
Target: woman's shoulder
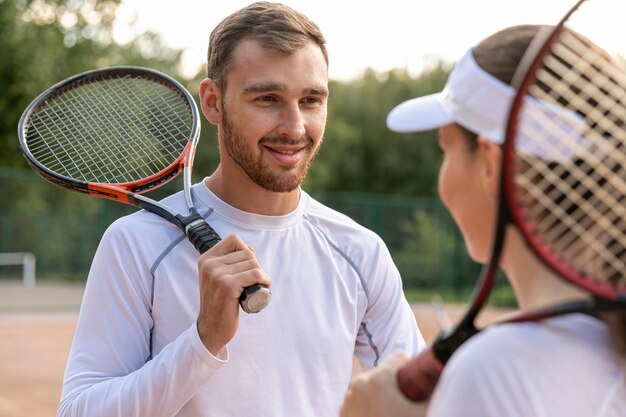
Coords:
pixel 533 346
pixel 559 366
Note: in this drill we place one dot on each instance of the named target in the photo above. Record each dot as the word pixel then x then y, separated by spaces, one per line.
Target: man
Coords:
pixel 160 332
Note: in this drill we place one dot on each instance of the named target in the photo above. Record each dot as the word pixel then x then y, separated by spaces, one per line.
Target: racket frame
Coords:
pixel 128 192
pixel 254 298
pixel 538 247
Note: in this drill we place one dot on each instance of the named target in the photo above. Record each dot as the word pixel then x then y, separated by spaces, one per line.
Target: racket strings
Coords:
pixel 82 154
pixel 63 136
pixel 83 159
pixel 570 221
pixel 112 130
pixel 593 87
pixel 570 163
pixel 146 156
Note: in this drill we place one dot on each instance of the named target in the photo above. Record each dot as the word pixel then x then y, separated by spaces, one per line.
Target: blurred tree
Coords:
pixel 360 153
pixel 45 41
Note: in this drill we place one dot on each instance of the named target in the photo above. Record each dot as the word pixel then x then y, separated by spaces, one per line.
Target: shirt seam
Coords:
pixel 368 334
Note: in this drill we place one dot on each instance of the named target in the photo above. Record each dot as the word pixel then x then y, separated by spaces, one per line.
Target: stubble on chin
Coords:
pixel 257 169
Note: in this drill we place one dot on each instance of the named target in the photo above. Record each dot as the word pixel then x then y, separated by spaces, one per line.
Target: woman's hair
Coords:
pixel 500 53
pixel 276 26
pixel 499 56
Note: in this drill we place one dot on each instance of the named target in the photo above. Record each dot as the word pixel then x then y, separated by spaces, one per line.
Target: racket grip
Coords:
pixel 418 378
pixel 202 236
pixel 253 298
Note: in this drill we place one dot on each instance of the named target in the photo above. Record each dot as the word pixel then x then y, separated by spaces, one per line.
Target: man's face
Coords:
pixel 273 114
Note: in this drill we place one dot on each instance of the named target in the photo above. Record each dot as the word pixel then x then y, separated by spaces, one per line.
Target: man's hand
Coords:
pixel 225 270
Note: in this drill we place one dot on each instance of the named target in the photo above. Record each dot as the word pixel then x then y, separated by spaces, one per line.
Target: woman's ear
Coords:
pixel 211 101
pixel 492 157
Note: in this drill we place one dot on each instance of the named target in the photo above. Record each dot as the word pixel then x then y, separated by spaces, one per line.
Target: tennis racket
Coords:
pixel 563 184
pixel 117 133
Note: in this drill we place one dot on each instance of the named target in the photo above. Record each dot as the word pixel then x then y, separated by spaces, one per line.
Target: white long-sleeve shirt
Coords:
pixel 566 366
pixel 136 352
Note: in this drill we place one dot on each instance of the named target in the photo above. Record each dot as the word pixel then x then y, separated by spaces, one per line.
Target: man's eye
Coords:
pixel 311 100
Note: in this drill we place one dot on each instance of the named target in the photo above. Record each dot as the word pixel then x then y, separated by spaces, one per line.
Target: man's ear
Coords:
pixel 211 101
pixel 492 156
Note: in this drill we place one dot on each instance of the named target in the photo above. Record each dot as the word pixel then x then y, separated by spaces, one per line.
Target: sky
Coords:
pixel 381 34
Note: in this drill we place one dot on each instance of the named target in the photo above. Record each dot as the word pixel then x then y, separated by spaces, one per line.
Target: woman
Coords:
pixel 570 365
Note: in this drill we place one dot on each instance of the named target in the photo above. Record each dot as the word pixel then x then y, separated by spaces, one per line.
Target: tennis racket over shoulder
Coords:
pixel 117 133
pixel 562 184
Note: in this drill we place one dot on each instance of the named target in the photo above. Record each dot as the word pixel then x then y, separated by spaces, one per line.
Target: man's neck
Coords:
pixel 246 195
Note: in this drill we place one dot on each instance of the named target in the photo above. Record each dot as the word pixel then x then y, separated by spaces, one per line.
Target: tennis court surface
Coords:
pixel 37 326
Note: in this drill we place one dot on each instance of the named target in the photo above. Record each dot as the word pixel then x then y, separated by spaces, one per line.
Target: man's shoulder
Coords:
pixel 327 217
pixel 352 239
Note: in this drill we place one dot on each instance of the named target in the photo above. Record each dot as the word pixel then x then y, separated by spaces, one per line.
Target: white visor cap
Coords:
pixel 480 102
pixel 472 98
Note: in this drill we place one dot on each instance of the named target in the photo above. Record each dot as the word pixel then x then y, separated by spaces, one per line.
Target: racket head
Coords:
pixel 111 132
pixel 564 162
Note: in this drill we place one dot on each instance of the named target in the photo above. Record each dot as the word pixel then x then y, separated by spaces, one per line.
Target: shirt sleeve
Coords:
pixel 110 370
pixel 389 322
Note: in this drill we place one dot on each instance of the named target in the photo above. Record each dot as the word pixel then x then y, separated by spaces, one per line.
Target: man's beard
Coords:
pixel 258 171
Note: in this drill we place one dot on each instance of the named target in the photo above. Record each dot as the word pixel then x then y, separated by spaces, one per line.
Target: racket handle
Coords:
pixel 418 378
pixel 253 298
pixel 202 235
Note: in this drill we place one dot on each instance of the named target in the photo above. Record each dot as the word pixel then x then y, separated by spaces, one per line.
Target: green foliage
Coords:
pixel 45 41
pixel 361 154
pixel 431 253
pixel 383 180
